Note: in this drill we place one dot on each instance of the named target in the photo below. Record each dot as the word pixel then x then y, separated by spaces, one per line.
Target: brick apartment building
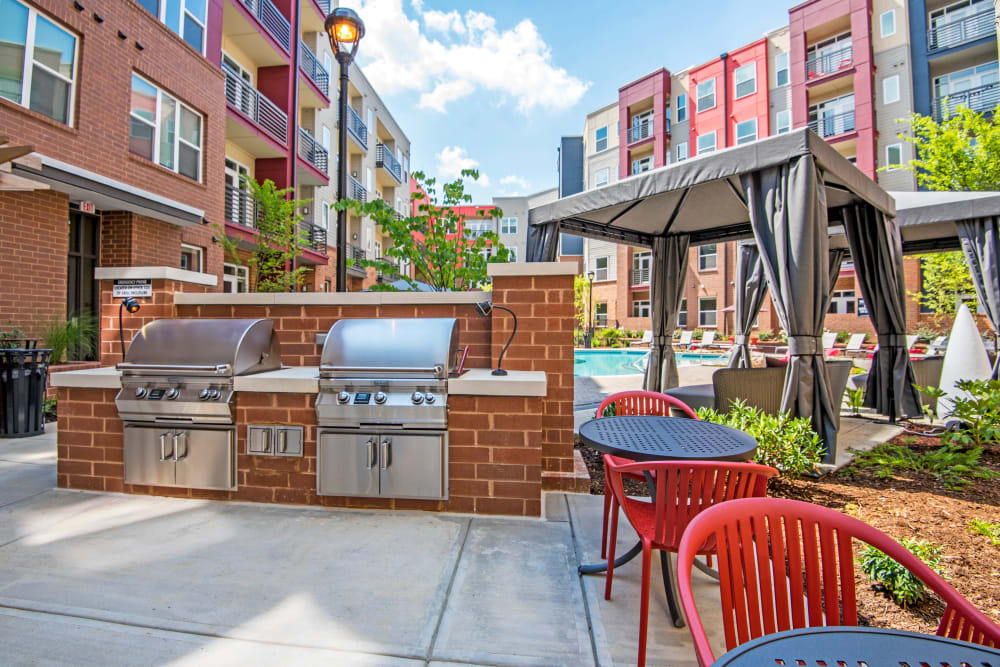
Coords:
pixel 142 116
pixel 848 69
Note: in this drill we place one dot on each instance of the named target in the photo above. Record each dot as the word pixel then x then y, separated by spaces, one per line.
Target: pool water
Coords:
pixel 630 362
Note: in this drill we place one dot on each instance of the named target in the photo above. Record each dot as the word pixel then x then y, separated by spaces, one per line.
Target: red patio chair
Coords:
pixel 683 490
pixel 634 403
pixel 808 574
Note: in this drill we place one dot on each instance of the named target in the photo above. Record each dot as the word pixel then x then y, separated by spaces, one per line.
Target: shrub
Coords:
pixel 979 412
pixel 990 530
pixel 74 336
pixel 843 336
pixel 608 337
pixel 790 445
pixel 951 465
pixel 697 333
pixel 926 334
pixel 896 580
pixel 765 335
pixel 12 338
pixel 855 399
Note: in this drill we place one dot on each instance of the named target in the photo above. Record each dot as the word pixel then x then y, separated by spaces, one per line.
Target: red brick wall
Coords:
pixel 33 247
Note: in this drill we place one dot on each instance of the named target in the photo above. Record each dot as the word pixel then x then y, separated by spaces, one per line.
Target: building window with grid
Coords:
pixel 192 257
pixel 682 314
pixel 184 17
pixel 163 130
pixel 783 121
pixel 640 309
pixel 600 268
pixel 706 143
pixel 705 92
pixel 842 302
pixel 642 164
pixel 682 151
pixel 707 314
pixel 894 156
pixel 235 279
pixel 746 131
pixel 600 314
pixel 682 108
pixel 38 70
pixel 508 225
pixel 511 254
pixel 708 257
pixel 745 80
pixel 602 177
pixel 781 69
pixel 601 139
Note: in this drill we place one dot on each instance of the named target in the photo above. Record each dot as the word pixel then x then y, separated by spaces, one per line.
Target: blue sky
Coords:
pixel 495 84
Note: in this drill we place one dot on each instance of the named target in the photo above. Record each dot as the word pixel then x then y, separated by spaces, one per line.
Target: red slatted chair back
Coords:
pixel 785 564
pixel 643 403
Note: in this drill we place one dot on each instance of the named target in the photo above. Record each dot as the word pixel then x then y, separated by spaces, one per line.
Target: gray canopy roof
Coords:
pixel 702 196
pixel 927 219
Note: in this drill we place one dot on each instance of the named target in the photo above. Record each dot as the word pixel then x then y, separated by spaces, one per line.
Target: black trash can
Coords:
pixel 24 374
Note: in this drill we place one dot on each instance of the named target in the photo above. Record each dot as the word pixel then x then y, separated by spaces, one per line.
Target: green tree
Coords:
pixel 279 240
pixel 957 153
pixel 442 250
pixel 946 283
pixel 581 299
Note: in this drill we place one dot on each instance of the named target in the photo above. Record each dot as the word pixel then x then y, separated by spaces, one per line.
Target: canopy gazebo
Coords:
pixel 786 193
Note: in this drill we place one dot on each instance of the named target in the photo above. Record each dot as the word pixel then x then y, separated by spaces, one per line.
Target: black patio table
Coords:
pixel 654 438
pixel 840 645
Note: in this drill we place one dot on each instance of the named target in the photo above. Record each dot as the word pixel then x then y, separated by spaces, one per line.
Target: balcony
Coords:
pixel 251 103
pixel 241 208
pixel 979 99
pixel 962 31
pixel 829 63
pixel 833 125
pixel 274 22
pixel 317 73
pixel 356 129
pixel 639 132
pixel 315 155
pixel 640 277
pixel 355 190
pixel 356 254
pixel 314 237
pixel 388 276
pixel 312 19
pixel 385 160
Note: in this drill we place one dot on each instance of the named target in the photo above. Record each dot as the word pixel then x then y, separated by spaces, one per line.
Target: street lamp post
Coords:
pixel 345 29
pixel 590 310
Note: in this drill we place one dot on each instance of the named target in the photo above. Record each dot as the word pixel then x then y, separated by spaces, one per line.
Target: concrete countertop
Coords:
pixel 305 380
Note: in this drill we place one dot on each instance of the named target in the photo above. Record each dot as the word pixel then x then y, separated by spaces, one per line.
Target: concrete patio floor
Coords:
pixel 88 579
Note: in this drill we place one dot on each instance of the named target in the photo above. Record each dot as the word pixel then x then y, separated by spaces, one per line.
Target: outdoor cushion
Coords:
pixel 695 395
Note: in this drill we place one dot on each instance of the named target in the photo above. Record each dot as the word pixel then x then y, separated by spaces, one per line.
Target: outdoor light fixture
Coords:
pixel 132 306
pixel 590 308
pixel 485 308
pixel 345 30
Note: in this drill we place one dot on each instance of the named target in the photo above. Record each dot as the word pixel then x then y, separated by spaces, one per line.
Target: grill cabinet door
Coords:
pixel 412 466
pixel 206 459
pixel 145 446
pixel 348 464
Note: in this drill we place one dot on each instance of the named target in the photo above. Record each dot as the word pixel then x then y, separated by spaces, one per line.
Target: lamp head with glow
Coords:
pixel 345 29
pixel 132 306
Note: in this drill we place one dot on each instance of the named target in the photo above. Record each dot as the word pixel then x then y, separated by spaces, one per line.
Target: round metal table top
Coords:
pixel 856 646
pixel 651 438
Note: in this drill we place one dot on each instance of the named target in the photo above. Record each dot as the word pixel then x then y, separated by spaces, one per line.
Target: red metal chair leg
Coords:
pixel 611 553
pixel 607 510
pixel 647 557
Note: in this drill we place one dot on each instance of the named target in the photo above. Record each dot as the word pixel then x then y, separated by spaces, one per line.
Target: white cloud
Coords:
pixel 451 160
pixel 514 185
pixel 470 55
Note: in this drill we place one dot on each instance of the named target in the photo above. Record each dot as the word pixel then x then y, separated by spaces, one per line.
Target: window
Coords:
pixel 327 285
pixel 745 80
pixel 163 130
pixel 326 216
pixel 326 139
pixel 705 95
pixel 642 164
pixel 45 80
pixel 746 131
pixel 833 117
pixel 890 89
pixel 601 139
pixel 887 21
pixel 708 257
pixel 640 309
pixel 682 108
pixel 236 278
pixel 600 314
pixel 706 143
pixel 894 156
pixel 781 69
pixel 508 225
pixel 707 315
pixel 601 268
pixel 682 151
pixel 641 263
pixel 783 121
pixel 601 177
pixel 682 314
pixel 184 17
pixel 842 302
pixel 511 254
pixel 191 257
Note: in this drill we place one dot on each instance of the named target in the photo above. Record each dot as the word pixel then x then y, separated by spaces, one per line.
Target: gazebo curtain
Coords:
pixel 837 256
pixel 543 243
pixel 787 205
pixel 751 287
pixel 878 262
pixel 981 244
pixel 670 263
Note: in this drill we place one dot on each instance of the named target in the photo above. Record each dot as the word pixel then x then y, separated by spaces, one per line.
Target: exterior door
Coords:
pixel 241 96
pixel 238 204
pixel 82 295
pixel 347 464
pixel 205 459
pixel 149 455
pixel 412 466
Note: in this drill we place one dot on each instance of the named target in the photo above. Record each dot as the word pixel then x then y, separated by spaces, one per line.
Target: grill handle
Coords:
pixel 437 369
pixel 371 453
pixel 386 453
pixel 218 369
pixel 163 448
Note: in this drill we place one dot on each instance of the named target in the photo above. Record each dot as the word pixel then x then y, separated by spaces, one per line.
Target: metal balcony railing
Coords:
pixel 640 276
pixel 357 128
pixel 392 272
pixel 355 190
pixel 273 21
pixel 316 72
pixel 357 254
pixel 475 230
pixel 979 99
pixel 315 237
pixel 385 159
pixel 639 132
pixel 828 63
pixel 241 208
pixel 831 126
pixel 324 5
pixel 968 29
pixel 254 105
pixel 311 151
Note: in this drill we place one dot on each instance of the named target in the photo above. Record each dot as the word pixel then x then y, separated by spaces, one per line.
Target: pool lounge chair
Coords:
pixel 647 338
pixel 707 339
pixel 685 339
pixel 854 344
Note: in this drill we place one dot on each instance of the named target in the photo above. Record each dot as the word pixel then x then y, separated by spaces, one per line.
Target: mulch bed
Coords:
pixel 910 504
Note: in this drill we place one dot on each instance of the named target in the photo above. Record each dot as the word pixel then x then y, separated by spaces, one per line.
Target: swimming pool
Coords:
pixel 630 362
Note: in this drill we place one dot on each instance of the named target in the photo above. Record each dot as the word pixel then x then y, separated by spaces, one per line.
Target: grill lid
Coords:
pixel 399 348
pixel 204 347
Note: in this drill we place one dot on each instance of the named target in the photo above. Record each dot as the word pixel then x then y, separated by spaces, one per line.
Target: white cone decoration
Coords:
pixel 965 359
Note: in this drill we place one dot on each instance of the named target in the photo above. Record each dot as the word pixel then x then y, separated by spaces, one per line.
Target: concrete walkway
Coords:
pixel 106 579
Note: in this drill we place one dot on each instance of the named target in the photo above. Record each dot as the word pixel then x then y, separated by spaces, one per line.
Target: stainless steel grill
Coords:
pixel 382 407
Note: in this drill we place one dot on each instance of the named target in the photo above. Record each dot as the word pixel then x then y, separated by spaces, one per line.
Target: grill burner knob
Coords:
pixel 417 398
pixel 204 394
pixel 172 393
pixel 380 397
pixel 216 394
pixel 429 398
pixel 343 397
pixel 140 392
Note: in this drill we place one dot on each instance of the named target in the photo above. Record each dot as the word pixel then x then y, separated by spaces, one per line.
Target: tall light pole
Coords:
pixel 345 29
pixel 590 309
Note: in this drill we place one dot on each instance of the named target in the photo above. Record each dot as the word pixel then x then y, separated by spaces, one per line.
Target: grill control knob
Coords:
pixel 417 398
pixel 429 398
pixel 205 394
pixel 172 393
pixel 140 392
pixel 380 397
pixel 343 397
pixel 216 394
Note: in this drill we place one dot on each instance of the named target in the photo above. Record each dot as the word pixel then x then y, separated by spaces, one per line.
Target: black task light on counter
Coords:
pixel 484 309
pixel 132 306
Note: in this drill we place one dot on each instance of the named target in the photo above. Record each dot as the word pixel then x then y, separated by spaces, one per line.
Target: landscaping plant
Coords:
pixel 990 530
pixel 978 410
pixel 951 465
pixel 765 335
pixel 608 337
pixel 855 399
pixel 790 445
pixel 75 336
pixel 12 338
pixel 901 584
